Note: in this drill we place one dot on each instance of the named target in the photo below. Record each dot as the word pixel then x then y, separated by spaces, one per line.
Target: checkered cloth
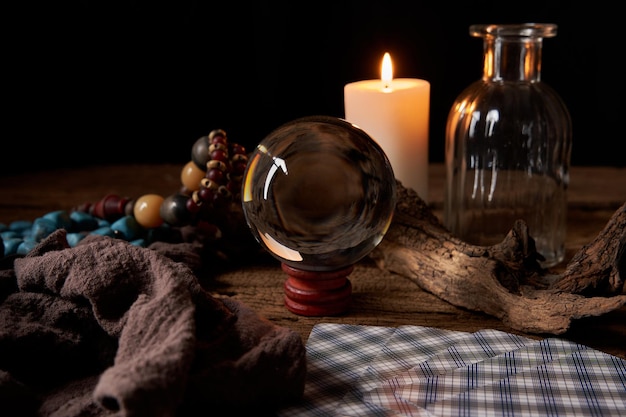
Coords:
pixel 424 371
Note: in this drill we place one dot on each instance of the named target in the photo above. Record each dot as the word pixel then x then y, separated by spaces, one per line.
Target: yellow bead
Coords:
pixel 191 175
pixel 146 210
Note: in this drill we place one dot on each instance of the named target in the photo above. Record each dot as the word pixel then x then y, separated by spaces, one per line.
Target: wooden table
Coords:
pixel 379 297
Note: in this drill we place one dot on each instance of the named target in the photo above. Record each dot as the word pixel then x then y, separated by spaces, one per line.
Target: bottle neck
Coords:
pixel 512 59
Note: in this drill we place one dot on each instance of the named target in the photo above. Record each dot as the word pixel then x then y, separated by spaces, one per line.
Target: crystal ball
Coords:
pixel 318 193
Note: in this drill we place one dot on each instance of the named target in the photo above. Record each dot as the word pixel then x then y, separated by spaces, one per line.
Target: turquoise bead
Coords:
pixel 74 238
pixel 26 246
pixel 11 245
pixel 20 237
pixel 42 227
pixel 103 223
pixel 104 231
pixel 128 227
pixel 10 234
pixel 158 233
pixel 82 221
pixel 138 242
pixel 60 218
pixel 20 225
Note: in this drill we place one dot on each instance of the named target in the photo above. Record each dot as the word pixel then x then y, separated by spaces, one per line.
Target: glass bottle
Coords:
pixel 508 146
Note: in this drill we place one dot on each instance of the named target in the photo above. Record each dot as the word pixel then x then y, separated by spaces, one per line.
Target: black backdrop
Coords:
pixel 94 82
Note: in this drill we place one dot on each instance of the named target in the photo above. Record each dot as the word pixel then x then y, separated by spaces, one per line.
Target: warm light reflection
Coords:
pixel 488 65
pixel 279 249
pixel 386 72
pixel 247 181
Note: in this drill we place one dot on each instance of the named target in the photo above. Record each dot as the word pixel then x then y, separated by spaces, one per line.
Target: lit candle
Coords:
pixel 395 113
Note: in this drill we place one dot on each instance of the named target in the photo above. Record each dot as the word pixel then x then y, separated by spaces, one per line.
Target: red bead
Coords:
pixel 215 175
pixel 238 149
pixel 205 194
pixel 219 155
pixel 192 206
pixel 238 168
pixel 209 229
pixel 111 207
pixel 219 139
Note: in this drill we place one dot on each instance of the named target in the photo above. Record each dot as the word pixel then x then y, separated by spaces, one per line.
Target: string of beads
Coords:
pixel 208 198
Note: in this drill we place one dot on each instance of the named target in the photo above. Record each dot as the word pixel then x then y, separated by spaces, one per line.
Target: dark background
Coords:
pixel 96 82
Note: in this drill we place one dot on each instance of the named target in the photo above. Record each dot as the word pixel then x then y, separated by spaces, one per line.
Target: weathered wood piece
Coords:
pixel 505 280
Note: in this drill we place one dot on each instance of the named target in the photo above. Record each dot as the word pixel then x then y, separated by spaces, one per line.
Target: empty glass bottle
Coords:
pixel 508 146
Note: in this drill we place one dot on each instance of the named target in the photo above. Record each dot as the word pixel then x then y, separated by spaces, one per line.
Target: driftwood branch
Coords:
pixel 505 280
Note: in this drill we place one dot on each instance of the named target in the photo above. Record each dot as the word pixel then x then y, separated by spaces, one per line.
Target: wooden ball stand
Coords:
pixel 315 293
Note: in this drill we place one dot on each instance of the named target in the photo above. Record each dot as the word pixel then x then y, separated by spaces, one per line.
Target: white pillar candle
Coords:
pixel 395 113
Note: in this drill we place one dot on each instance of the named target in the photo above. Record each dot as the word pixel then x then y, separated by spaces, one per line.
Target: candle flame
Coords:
pixel 386 72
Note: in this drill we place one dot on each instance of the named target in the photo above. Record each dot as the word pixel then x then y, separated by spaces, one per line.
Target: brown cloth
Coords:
pixel 111 329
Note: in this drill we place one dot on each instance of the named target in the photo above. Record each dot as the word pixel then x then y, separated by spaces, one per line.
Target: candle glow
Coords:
pixel 386 72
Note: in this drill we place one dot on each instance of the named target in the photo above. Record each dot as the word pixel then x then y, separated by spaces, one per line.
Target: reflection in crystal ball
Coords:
pixel 318 193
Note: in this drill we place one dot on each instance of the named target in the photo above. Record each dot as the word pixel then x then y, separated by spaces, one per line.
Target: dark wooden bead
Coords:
pixel 218 136
pixel 215 164
pixel 200 152
pixel 174 210
pixel 207 183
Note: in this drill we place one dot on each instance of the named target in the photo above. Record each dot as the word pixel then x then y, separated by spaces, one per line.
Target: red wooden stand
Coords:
pixel 314 293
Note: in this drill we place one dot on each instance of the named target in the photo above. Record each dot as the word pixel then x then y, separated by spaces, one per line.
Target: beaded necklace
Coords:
pixel 207 200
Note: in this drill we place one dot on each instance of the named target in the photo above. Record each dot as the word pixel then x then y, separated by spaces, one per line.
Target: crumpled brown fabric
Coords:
pixel 111 329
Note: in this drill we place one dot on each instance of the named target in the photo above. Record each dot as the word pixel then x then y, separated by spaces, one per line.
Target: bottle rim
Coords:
pixel 519 30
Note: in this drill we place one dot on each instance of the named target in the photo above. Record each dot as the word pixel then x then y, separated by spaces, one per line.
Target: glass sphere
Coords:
pixel 318 193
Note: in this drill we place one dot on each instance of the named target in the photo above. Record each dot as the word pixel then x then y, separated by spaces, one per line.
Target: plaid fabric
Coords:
pixel 336 356
pixel 423 371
